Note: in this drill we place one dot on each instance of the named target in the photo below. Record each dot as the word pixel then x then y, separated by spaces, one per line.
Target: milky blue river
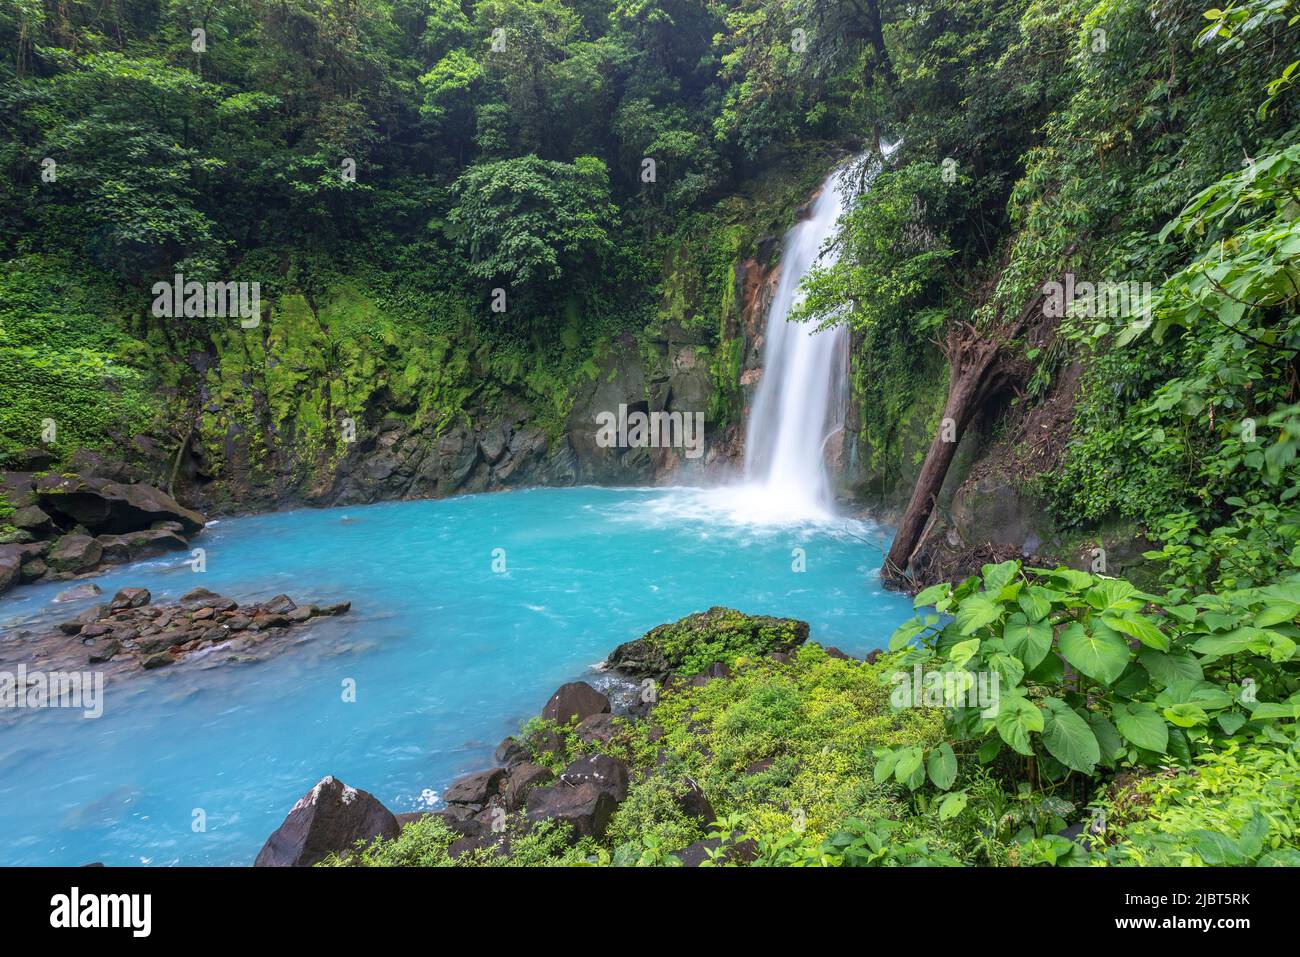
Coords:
pixel 448 655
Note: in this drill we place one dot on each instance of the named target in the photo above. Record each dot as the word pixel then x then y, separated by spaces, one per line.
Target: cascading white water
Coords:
pixel 801 396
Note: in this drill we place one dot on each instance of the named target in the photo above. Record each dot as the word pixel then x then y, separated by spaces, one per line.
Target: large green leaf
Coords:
pixel 1135 626
pixel 1016 718
pixel 997 577
pixel 1169 669
pixel 931 595
pixel 1186 715
pixel 1027 641
pixel 1068 738
pixel 942 766
pixel 1217 849
pixel 1108 739
pixel 1204 694
pixel 1036 603
pixel 976 612
pixel 1141 725
pixel 1234 641
pixel 1095 650
pixel 886 761
pixel 1277 613
pixel 952 805
pixel 1113 595
pixel 1009 669
pixel 963 651
pixel 909 764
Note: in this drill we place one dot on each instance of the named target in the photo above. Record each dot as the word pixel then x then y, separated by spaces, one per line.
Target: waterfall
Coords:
pixel 802 394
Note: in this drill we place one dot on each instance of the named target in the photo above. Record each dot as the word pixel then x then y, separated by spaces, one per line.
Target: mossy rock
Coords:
pixel 690 645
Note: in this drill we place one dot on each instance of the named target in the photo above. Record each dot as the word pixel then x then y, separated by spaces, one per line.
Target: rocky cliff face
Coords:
pixel 330 403
pixel 297 413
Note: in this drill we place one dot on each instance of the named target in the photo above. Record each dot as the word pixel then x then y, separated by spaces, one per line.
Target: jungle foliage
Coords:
pixel 383 167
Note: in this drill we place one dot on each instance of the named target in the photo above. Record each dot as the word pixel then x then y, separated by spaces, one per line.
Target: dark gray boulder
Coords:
pixel 329 819
pixel 605 772
pixel 104 652
pixel 11 566
pixel 693 855
pixel 586 808
pixel 476 789
pixel 33 519
pixel 597 729
pixel 137 546
pixel 112 507
pixel 130 598
pixel 523 778
pixel 693 802
pixel 74 553
pixel 577 699
pixel 510 752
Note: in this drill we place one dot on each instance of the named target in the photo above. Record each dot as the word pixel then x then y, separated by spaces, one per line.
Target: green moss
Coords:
pixel 690 645
pixel 726 399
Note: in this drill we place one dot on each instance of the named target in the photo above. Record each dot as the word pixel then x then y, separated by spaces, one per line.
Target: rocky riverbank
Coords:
pixel 565 775
pixel 66 526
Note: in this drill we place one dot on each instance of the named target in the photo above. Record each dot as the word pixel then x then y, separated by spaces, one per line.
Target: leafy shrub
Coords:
pixel 1240 805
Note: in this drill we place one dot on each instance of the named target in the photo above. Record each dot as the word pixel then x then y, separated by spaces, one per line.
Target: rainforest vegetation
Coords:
pixel 474 200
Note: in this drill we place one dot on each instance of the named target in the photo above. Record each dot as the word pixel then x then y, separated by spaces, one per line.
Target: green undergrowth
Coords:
pixel 70 377
pixel 1162 728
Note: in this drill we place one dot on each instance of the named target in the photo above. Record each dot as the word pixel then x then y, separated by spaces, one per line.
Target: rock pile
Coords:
pixel 129 626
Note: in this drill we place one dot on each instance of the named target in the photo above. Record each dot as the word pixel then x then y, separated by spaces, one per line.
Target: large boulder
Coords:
pixel 113 508
pixel 600 770
pixel 130 598
pixel 74 553
pixel 476 789
pixel 78 593
pixel 11 565
pixel 693 855
pixel 31 518
pixel 693 802
pixel 587 808
pixel 598 729
pixel 523 778
pixel 137 546
pixel 511 752
pixel 577 699
pixel 693 643
pixel 34 459
pixel 587 794
pixel 330 818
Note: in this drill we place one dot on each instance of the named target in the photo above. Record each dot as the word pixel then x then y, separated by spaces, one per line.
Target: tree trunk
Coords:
pixel 977 369
pixel 876 36
pixel 972 369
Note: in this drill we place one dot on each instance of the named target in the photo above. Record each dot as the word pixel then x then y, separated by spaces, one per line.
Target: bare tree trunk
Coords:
pixel 977 368
pixel 972 364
